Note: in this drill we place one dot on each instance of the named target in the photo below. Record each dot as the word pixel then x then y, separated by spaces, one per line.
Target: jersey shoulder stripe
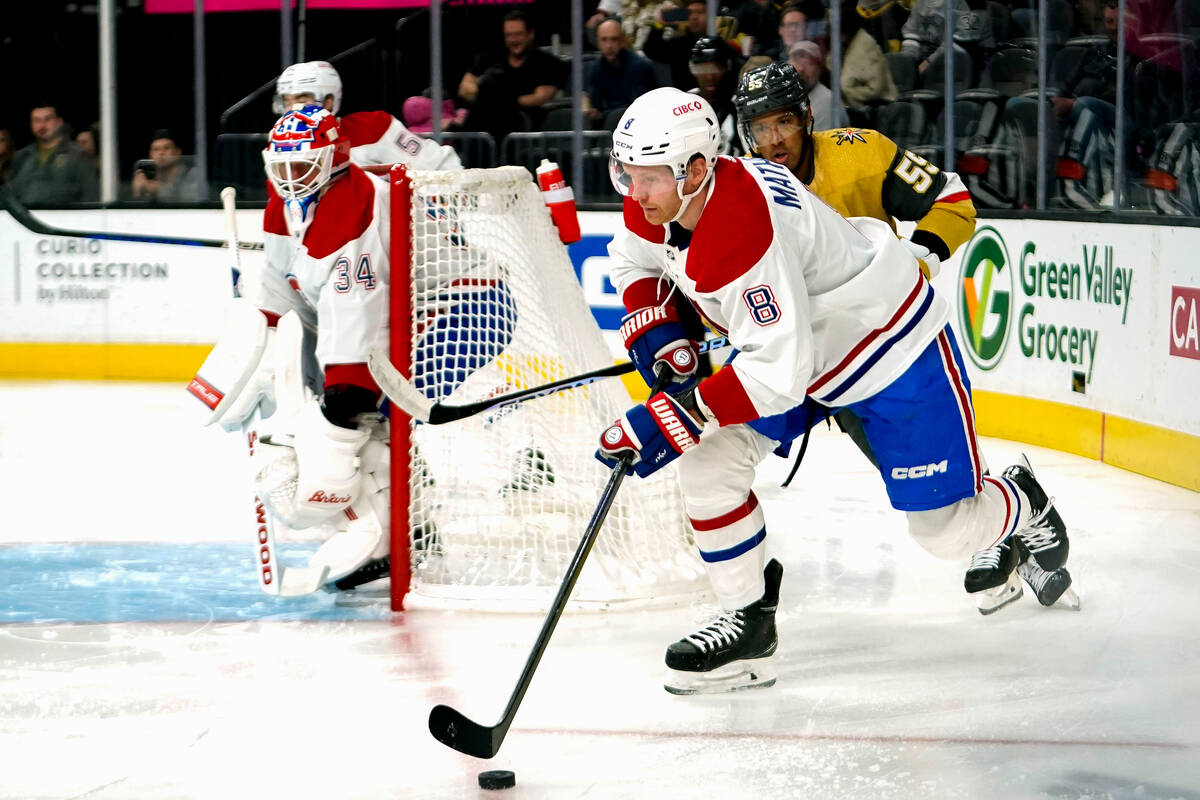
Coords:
pixel 344 213
pixel 365 127
pixel 635 223
pixel 734 231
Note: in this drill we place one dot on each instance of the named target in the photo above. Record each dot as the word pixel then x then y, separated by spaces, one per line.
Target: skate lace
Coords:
pixel 721 632
pixel 985 559
pixel 1036 577
pixel 1038 534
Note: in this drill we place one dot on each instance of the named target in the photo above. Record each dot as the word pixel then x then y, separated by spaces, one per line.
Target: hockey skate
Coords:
pixel 1048 587
pixel 992 569
pixel 735 651
pixel 1044 535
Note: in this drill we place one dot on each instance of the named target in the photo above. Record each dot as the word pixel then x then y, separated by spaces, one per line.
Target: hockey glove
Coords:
pixel 653 336
pixel 654 434
pixel 928 260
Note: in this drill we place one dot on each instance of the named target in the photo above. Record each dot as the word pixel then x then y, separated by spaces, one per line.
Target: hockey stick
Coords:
pixel 453 729
pixel 27 220
pixel 413 402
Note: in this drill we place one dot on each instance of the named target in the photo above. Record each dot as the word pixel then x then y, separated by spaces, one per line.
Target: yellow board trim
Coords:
pixel 1150 450
pixel 101 361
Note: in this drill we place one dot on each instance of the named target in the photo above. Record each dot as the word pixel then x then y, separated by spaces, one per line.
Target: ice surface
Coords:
pixel 139 660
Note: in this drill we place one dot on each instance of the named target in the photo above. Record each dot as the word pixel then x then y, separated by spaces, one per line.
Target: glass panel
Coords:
pixel 1163 98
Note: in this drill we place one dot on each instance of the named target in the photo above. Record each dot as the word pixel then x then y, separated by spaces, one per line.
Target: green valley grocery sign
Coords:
pixel 985 297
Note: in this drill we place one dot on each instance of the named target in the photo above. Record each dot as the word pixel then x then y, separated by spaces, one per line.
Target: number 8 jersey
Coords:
pixel 817 305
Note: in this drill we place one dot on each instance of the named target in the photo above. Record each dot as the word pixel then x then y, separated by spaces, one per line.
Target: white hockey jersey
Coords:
pixel 339 268
pixel 817 305
pixel 376 137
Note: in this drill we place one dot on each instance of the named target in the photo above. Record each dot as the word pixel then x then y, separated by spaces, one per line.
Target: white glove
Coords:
pixel 930 263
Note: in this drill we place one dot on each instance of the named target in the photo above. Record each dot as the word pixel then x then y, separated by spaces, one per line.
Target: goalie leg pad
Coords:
pixel 320 477
pixel 365 536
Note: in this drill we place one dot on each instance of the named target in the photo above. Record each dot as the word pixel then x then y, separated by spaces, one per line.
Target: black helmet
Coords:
pixel 772 87
pixel 711 50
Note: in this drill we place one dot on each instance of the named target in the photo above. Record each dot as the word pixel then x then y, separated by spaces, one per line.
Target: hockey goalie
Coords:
pixel 295 349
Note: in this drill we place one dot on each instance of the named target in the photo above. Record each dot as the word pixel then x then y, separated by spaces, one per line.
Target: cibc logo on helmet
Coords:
pixel 985 297
pixel 679 111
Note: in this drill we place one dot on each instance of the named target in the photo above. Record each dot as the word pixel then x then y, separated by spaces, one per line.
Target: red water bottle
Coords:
pixel 560 200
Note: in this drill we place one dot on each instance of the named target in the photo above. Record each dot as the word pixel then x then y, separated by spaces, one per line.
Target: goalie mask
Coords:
pixel 316 78
pixel 305 152
pixel 766 89
pixel 665 127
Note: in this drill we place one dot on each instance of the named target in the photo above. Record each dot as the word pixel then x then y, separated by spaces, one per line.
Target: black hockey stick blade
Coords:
pixel 459 733
pixel 453 729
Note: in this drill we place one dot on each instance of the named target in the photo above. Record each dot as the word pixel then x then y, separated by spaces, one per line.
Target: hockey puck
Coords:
pixel 497 779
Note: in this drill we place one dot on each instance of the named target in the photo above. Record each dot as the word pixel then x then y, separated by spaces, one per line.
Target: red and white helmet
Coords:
pixel 317 78
pixel 305 151
pixel 665 127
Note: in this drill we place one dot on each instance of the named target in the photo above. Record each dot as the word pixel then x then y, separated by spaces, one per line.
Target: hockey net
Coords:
pixel 488 511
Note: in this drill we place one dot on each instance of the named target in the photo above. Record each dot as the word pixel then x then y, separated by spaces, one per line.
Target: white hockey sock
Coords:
pixel 732 548
pixel 972 524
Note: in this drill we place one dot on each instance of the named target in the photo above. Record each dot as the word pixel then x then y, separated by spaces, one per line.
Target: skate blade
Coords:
pixel 995 599
pixel 1069 600
pixel 755 673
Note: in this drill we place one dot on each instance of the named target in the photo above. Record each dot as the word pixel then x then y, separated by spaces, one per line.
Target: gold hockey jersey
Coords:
pixel 862 173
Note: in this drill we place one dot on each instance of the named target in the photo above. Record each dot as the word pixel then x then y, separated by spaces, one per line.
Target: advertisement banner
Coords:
pixel 1089 315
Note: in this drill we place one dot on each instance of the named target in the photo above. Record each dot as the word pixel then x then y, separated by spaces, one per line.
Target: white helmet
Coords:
pixel 317 78
pixel 665 127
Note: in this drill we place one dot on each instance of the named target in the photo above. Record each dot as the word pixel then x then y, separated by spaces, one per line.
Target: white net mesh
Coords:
pixel 500 501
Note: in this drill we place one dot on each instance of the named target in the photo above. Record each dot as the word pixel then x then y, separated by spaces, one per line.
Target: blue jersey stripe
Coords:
pixel 730 553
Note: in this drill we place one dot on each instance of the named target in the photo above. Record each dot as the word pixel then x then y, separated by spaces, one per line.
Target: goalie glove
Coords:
pixel 654 335
pixel 928 260
pixel 655 434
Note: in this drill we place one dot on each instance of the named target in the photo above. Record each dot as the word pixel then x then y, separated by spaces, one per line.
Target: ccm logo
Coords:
pixel 679 111
pixel 1185 322
pixel 919 471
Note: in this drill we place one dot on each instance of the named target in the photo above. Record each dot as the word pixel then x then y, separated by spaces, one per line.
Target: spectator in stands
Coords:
pixel 7 150
pixel 88 142
pixel 164 176
pixel 619 76
pixel 510 94
pixel 799 20
pixel 759 21
pixel 806 58
pixel 884 20
pixel 418 115
pixel 925 32
pixel 51 170
pixel 866 79
pixel 672 39
pixel 716 66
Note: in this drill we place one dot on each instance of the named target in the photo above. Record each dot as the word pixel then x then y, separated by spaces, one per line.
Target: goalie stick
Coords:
pixel 27 220
pixel 453 729
pixel 413 402
pixel 273 577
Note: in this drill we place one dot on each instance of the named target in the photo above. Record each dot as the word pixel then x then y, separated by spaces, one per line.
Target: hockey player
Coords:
pixel 862 173
pixel 818 306
pixel 326 235
pixel 376 137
